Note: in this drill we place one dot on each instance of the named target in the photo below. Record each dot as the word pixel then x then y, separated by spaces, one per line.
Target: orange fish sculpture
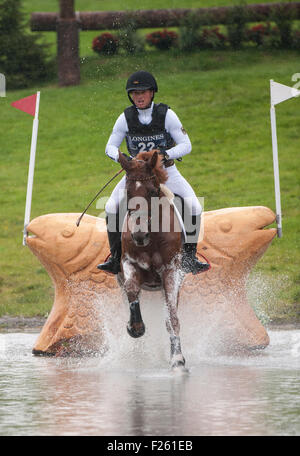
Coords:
pixel 234 240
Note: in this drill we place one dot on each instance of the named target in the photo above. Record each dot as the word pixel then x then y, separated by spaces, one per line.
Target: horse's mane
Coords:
pixel 158 170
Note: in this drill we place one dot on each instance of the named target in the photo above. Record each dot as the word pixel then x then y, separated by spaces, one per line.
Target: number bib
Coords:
pixel 142 138
pixel 137 144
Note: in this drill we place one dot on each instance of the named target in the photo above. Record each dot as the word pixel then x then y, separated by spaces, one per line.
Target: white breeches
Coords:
pixel 176 183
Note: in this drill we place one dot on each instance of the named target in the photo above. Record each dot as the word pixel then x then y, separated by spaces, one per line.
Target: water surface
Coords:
pixel 131 391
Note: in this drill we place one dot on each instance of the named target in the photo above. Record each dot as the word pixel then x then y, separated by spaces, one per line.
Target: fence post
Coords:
pixel 67 45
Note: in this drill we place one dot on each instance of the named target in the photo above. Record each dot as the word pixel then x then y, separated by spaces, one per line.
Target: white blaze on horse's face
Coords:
pixel 138 185
pixel 139 221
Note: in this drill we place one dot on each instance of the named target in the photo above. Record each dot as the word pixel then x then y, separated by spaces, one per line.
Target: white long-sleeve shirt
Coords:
pixel 172 125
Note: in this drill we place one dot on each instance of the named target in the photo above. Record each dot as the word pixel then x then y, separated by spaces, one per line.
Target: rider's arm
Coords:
pixel 183 143
pixel 116 138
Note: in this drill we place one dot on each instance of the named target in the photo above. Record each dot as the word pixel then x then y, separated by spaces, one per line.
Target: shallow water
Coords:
pixel 131 391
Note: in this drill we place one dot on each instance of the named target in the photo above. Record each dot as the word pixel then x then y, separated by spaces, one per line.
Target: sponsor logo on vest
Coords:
pixel 148 138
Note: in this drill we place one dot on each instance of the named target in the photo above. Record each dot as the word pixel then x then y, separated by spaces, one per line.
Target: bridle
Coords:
pixel 137 212
pixel 140 178
pixel 143 179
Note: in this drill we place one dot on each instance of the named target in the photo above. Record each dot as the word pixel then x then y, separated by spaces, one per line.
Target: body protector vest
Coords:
pixel 142 138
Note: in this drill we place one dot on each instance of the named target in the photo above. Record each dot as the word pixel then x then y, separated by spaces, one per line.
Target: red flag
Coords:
pixel 26 104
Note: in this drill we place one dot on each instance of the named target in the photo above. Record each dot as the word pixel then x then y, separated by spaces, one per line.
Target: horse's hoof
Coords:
pixel 136 332
pixel 179 367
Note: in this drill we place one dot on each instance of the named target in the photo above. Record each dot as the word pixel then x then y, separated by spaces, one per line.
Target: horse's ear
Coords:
pixel 153 160
pixel 124 162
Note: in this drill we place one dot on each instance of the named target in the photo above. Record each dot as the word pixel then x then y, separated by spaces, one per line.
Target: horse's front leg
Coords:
pixel 171 281
pixel 132 288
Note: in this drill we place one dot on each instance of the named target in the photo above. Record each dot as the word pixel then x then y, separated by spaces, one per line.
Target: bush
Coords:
pixel 128 37
pixel 212 38
pixel 162 40
pixel 284 20
pixel 237 26
pixel 264 35
pixel 189 33
pixel 23 60
pixel 296 39
pixel 257 33
pixel 106 43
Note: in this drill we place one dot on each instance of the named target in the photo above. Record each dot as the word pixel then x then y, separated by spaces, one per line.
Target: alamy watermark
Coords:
pixel 2 85
pixel 153 215
pixel 295 78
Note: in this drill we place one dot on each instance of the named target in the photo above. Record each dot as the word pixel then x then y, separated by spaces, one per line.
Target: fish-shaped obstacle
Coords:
pixel 234 239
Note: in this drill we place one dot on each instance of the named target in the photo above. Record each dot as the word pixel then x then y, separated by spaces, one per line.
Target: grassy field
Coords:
pixel 222 98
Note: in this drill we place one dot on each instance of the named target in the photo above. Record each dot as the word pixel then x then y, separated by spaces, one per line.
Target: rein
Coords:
pixel 101 190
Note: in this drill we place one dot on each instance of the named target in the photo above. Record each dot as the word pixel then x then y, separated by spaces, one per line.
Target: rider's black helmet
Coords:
pixel 141 80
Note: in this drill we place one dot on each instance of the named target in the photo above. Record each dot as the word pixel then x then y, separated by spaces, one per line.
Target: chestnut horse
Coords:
pixel 151 259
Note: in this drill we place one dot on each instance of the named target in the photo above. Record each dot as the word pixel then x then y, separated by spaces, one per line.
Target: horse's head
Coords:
pixel 144 174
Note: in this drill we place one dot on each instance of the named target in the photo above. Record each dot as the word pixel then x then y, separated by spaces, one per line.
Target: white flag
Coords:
pixel 281 92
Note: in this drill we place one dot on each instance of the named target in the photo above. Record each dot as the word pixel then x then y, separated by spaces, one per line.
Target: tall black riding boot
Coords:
pixel 190 262
pixel 114 237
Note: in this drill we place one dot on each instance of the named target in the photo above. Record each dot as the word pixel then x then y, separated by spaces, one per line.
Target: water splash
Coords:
pixel 151 350
pixel 199 337
pixel 263 294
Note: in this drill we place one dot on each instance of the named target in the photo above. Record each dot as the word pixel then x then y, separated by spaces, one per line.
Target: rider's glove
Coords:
pixel 128 157
pixel 165 156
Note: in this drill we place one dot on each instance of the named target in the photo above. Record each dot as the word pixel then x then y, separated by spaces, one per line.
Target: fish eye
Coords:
pixel 67 232
pixel 225 226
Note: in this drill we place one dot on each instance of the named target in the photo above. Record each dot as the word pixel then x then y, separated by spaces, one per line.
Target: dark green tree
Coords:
pixel 284 21
pixel 236 27
pixel 24 60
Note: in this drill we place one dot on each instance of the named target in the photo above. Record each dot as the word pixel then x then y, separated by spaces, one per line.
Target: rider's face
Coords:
pixel 141 98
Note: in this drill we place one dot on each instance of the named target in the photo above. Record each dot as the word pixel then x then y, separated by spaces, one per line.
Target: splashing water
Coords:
pixel 131 391
pixel 263 293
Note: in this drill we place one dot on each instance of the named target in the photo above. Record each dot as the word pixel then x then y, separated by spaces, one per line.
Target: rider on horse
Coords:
pixel 147 126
